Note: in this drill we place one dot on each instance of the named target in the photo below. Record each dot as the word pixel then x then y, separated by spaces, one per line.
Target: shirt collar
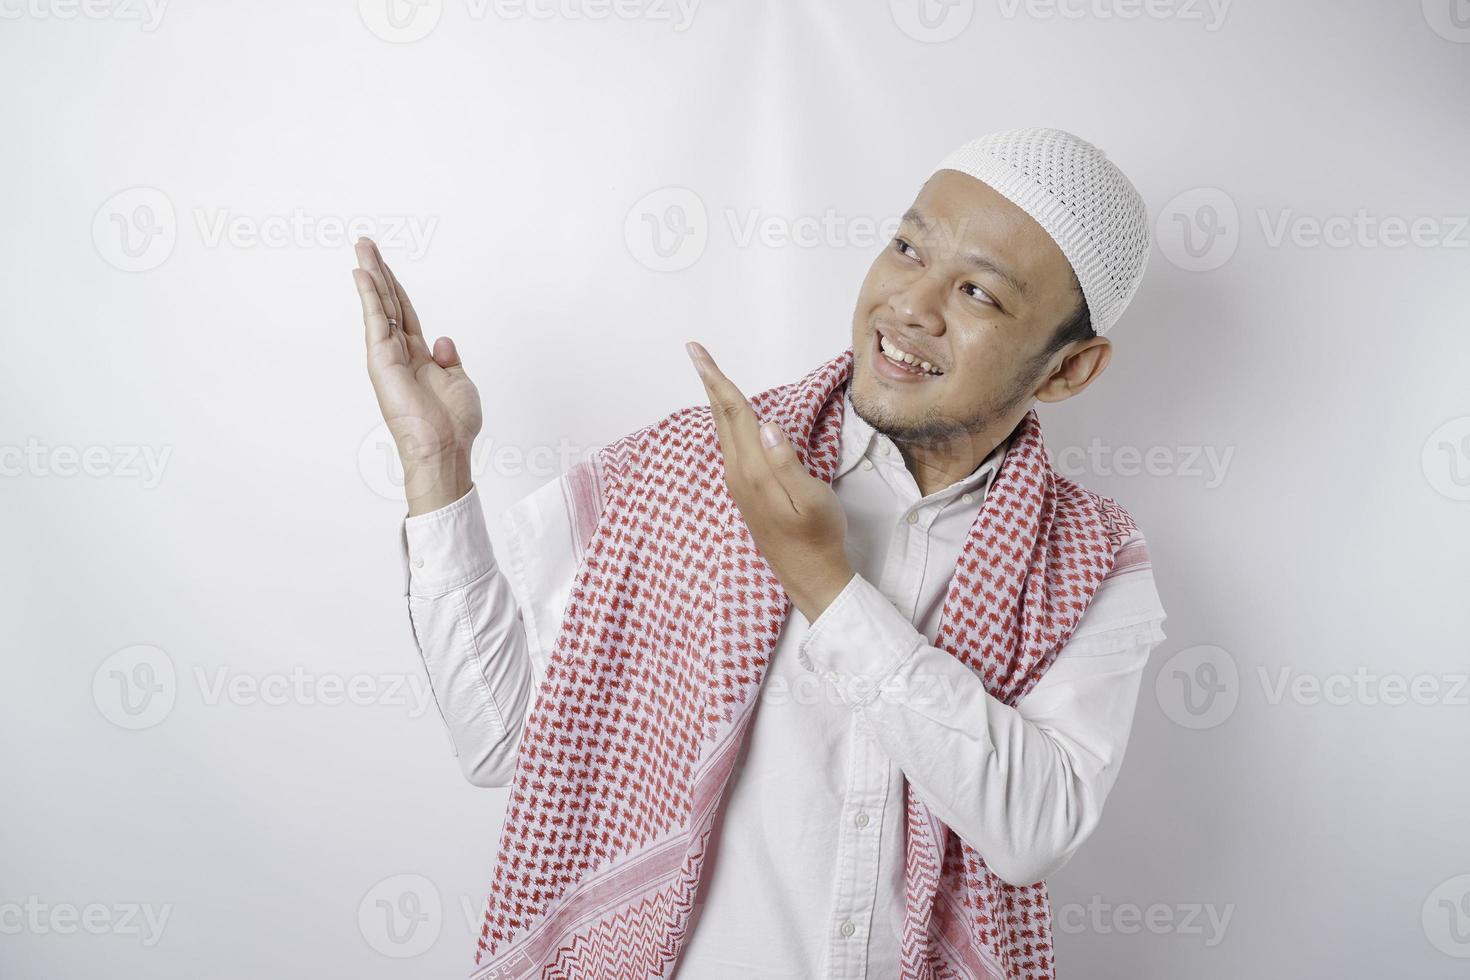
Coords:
pixel 859 439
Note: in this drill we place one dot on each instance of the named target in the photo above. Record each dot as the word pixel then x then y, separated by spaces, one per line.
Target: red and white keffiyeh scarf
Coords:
pixel 671 622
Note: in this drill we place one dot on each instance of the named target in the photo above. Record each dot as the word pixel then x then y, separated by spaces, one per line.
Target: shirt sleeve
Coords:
pixel 467 624
pixel 485 627
pixel 1023 785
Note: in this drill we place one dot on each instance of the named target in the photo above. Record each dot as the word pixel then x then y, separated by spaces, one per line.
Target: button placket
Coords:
pixel 858 845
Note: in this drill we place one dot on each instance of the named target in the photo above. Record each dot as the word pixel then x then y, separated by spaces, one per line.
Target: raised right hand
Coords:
pixel 431 406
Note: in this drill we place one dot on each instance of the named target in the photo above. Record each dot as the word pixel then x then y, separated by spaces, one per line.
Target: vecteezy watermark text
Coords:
pixel 38 918
pixel 1207 463
pixel 123 461
pixel 137 687
pixel 1182 919
pixel 136 229
pixel 146 13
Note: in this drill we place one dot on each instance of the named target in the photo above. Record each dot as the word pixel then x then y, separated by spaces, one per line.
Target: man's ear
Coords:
pixel 1080 365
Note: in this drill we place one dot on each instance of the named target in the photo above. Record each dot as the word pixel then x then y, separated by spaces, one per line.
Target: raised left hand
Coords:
pixel 795 518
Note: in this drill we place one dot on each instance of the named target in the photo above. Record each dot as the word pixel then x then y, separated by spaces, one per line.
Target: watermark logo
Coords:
pixel 400 21
pixel 406 21
pixel 305 688
pixel 828 230
pixel 1207 464
pixel 142 919
pixel 135 229
pixel 1445 917
pixel 1103 918
pixel 936 692
pixel 1198 687
pixel 135 688
pixel 146 13
pixel 932 21
pixel 667 230
pixel 138 686
pixel 410 233
pixel 401 916
pixel 1364 687
pixel 1210 13
pixel 1199 229
pixel 677 13
pixel 1450 19
pixel 380 459
pixel 1446 459
pixel 126 461
pixel 1363 229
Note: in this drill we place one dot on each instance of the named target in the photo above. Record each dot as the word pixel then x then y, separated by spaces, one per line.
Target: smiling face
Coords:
pixel 973 285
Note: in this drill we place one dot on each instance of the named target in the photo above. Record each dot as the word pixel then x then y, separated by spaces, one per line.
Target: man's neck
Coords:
pixel 933 468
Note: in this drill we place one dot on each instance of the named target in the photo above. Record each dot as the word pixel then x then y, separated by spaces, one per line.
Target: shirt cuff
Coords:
pixel 448 548
pixel 858 641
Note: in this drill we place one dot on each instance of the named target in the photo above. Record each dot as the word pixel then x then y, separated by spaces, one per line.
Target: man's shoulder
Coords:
pixel 1127 599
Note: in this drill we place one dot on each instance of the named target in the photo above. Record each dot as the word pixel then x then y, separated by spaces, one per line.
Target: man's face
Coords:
pixel 984 325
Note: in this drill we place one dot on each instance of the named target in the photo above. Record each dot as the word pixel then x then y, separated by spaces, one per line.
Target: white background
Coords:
pixel 173 741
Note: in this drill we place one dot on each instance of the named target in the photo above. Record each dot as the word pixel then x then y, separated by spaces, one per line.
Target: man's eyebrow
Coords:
pixel 974 260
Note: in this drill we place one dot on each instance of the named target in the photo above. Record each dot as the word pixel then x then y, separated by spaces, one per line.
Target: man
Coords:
pixel 828 696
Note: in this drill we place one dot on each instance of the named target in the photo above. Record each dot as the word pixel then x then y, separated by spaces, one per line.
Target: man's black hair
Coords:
pixel 1078 327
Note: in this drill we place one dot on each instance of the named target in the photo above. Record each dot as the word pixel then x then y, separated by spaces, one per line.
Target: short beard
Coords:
pixel 934 431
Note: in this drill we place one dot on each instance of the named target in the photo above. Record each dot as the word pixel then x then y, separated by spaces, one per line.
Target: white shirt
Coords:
pixel 806 876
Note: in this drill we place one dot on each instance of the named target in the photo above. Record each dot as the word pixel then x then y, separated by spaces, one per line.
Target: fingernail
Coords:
pixel 771 434
pixel 694 356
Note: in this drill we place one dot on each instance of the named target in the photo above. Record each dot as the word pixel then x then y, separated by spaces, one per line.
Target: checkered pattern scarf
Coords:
pixel 671 622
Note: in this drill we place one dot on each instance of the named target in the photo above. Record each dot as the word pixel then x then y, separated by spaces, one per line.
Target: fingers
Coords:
pixel 374 318
pixel 734 419
pixel 368 258
pixel 412 331
pixel 410 315
pixel 786 466
pixel 747 456
pixel 398 312
pixel 395 292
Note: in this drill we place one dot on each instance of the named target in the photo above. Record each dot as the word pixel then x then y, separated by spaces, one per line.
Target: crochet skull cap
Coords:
pixel 1089 208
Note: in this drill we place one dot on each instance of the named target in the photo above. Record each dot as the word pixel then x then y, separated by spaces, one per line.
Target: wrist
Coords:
pixel 436 481
pixel 822 590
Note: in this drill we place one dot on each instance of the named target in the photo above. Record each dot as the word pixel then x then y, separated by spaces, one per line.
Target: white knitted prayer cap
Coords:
pixel 1085 203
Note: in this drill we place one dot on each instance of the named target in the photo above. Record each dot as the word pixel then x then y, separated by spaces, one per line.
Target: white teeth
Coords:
pixel 894 354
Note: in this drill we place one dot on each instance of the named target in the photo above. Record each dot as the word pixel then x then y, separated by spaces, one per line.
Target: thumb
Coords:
pixel 446 355
pixel 785 463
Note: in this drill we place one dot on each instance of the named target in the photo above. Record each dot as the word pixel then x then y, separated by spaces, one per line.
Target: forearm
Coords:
pixel 470 635
pixel 1023 791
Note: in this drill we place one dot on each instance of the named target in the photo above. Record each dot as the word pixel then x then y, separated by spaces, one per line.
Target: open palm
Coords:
pixel 431 406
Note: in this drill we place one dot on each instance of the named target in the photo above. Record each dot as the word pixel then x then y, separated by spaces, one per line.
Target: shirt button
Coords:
pixel 861 819
pixel 418 563
pixel 847 928
pixel 967 497
pixel 867 464
pixel 913 517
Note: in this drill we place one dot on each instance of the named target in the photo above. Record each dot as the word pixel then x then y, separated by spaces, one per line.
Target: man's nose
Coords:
pixel 918 304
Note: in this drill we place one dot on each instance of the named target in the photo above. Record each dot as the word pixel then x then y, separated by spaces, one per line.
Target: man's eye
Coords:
pixel 899 245
pixel 984 296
